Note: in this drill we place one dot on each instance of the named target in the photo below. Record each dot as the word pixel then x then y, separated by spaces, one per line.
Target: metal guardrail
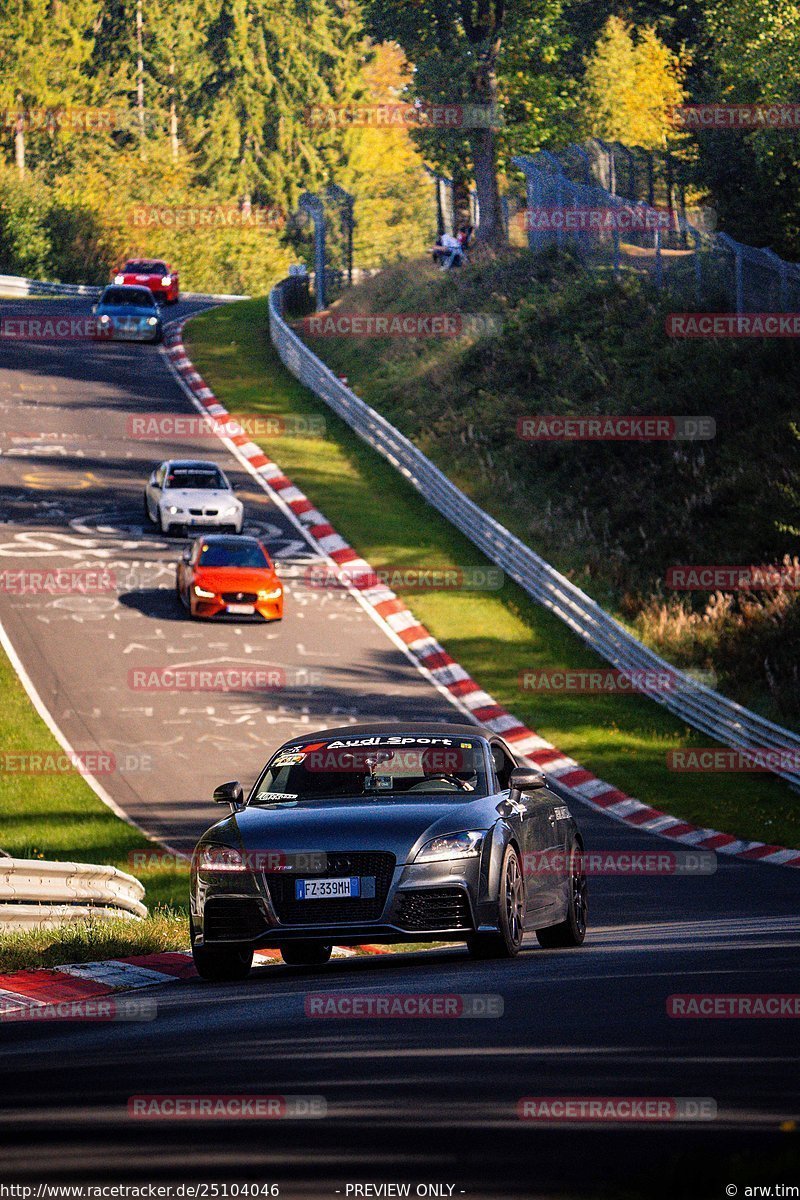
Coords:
pixel 37 894
pixel 16 285
pixel 699 706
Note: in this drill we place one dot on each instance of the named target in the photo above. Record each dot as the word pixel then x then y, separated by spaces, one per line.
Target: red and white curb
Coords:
pixel 75 982
pixel 432 659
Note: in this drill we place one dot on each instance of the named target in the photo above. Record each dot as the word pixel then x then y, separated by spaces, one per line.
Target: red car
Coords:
pixel 151 273
pixel 228 575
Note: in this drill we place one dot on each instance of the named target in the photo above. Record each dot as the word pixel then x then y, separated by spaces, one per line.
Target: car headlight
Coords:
pixel 452 845
pixel 104 320
pixel 119 279
pixel 202 593
pixel 152 320
pixel 167 280
pixel 220 859
pixel 275 594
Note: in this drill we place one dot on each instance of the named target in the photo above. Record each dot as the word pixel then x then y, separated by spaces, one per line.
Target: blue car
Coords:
pixel 128 314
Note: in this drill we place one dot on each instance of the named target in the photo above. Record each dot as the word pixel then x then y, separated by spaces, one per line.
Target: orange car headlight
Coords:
pixel 275 594
pixel 202 593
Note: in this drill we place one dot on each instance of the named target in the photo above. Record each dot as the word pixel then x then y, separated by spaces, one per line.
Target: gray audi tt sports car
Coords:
pixel 386 833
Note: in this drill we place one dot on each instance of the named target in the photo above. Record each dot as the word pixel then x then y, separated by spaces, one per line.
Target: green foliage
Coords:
pixel 754 176
pixel 25 245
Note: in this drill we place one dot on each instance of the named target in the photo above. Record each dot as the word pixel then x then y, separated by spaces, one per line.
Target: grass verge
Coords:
pixel 93 941
pixel 495 635
pixel 59 817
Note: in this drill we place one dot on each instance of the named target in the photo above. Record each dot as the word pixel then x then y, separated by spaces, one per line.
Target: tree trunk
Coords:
pixel 19 140
pixel 173 113
pixel 461 205
pixel 140 75
pixel 483 140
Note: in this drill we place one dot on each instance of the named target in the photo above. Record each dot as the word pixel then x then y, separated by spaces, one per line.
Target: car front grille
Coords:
pixel 232 919
pixel 290 911
pixel 204 512
pixel 435 908
pixel 239 597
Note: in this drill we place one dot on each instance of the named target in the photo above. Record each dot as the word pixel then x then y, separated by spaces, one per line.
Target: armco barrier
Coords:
pixel 14 285
pixel 699 706
pixel 37 894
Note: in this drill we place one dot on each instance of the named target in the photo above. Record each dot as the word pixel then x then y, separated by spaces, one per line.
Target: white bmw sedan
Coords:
pixel 184 494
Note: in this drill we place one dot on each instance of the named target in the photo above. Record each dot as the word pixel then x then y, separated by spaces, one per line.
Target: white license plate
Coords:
pixel 327 889
pixel 242 609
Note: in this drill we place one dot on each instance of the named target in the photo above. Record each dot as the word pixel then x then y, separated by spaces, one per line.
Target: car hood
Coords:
pixel 235 579
pixel 399 825
pixel 125 310
pixel 201 496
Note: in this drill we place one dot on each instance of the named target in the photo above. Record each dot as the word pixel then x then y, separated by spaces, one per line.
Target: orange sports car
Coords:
pixel 227 575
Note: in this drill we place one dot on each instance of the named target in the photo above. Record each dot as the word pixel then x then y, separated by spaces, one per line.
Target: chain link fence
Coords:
pixel 620 208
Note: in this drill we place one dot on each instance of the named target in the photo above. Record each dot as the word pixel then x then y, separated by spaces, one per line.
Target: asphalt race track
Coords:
pixel 425 1100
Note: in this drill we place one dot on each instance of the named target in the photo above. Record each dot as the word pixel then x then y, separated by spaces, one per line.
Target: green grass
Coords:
pixel 93 941
pixel 494 635
pixel 59 817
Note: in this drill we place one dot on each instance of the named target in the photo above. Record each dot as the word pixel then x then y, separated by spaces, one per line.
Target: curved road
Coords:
pixel 427 1100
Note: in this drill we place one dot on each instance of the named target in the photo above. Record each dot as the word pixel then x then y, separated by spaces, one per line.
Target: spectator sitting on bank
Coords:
pixel 454 251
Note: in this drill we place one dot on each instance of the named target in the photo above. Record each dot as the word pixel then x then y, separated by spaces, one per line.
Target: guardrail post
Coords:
pixel 347 202
pixel 313 206
pixel 782 269
pixel 698 267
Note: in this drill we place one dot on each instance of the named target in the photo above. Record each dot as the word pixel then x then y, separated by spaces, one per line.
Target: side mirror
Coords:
pixel 525 779
pixel 230 793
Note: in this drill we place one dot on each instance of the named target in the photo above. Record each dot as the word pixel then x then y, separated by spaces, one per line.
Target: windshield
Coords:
pixel 201 478
pixel 225 554
pixel 374 767
pixel 130 297
pixel 145 267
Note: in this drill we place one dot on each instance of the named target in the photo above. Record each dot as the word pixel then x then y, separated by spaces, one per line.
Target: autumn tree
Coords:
pixel 633 81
